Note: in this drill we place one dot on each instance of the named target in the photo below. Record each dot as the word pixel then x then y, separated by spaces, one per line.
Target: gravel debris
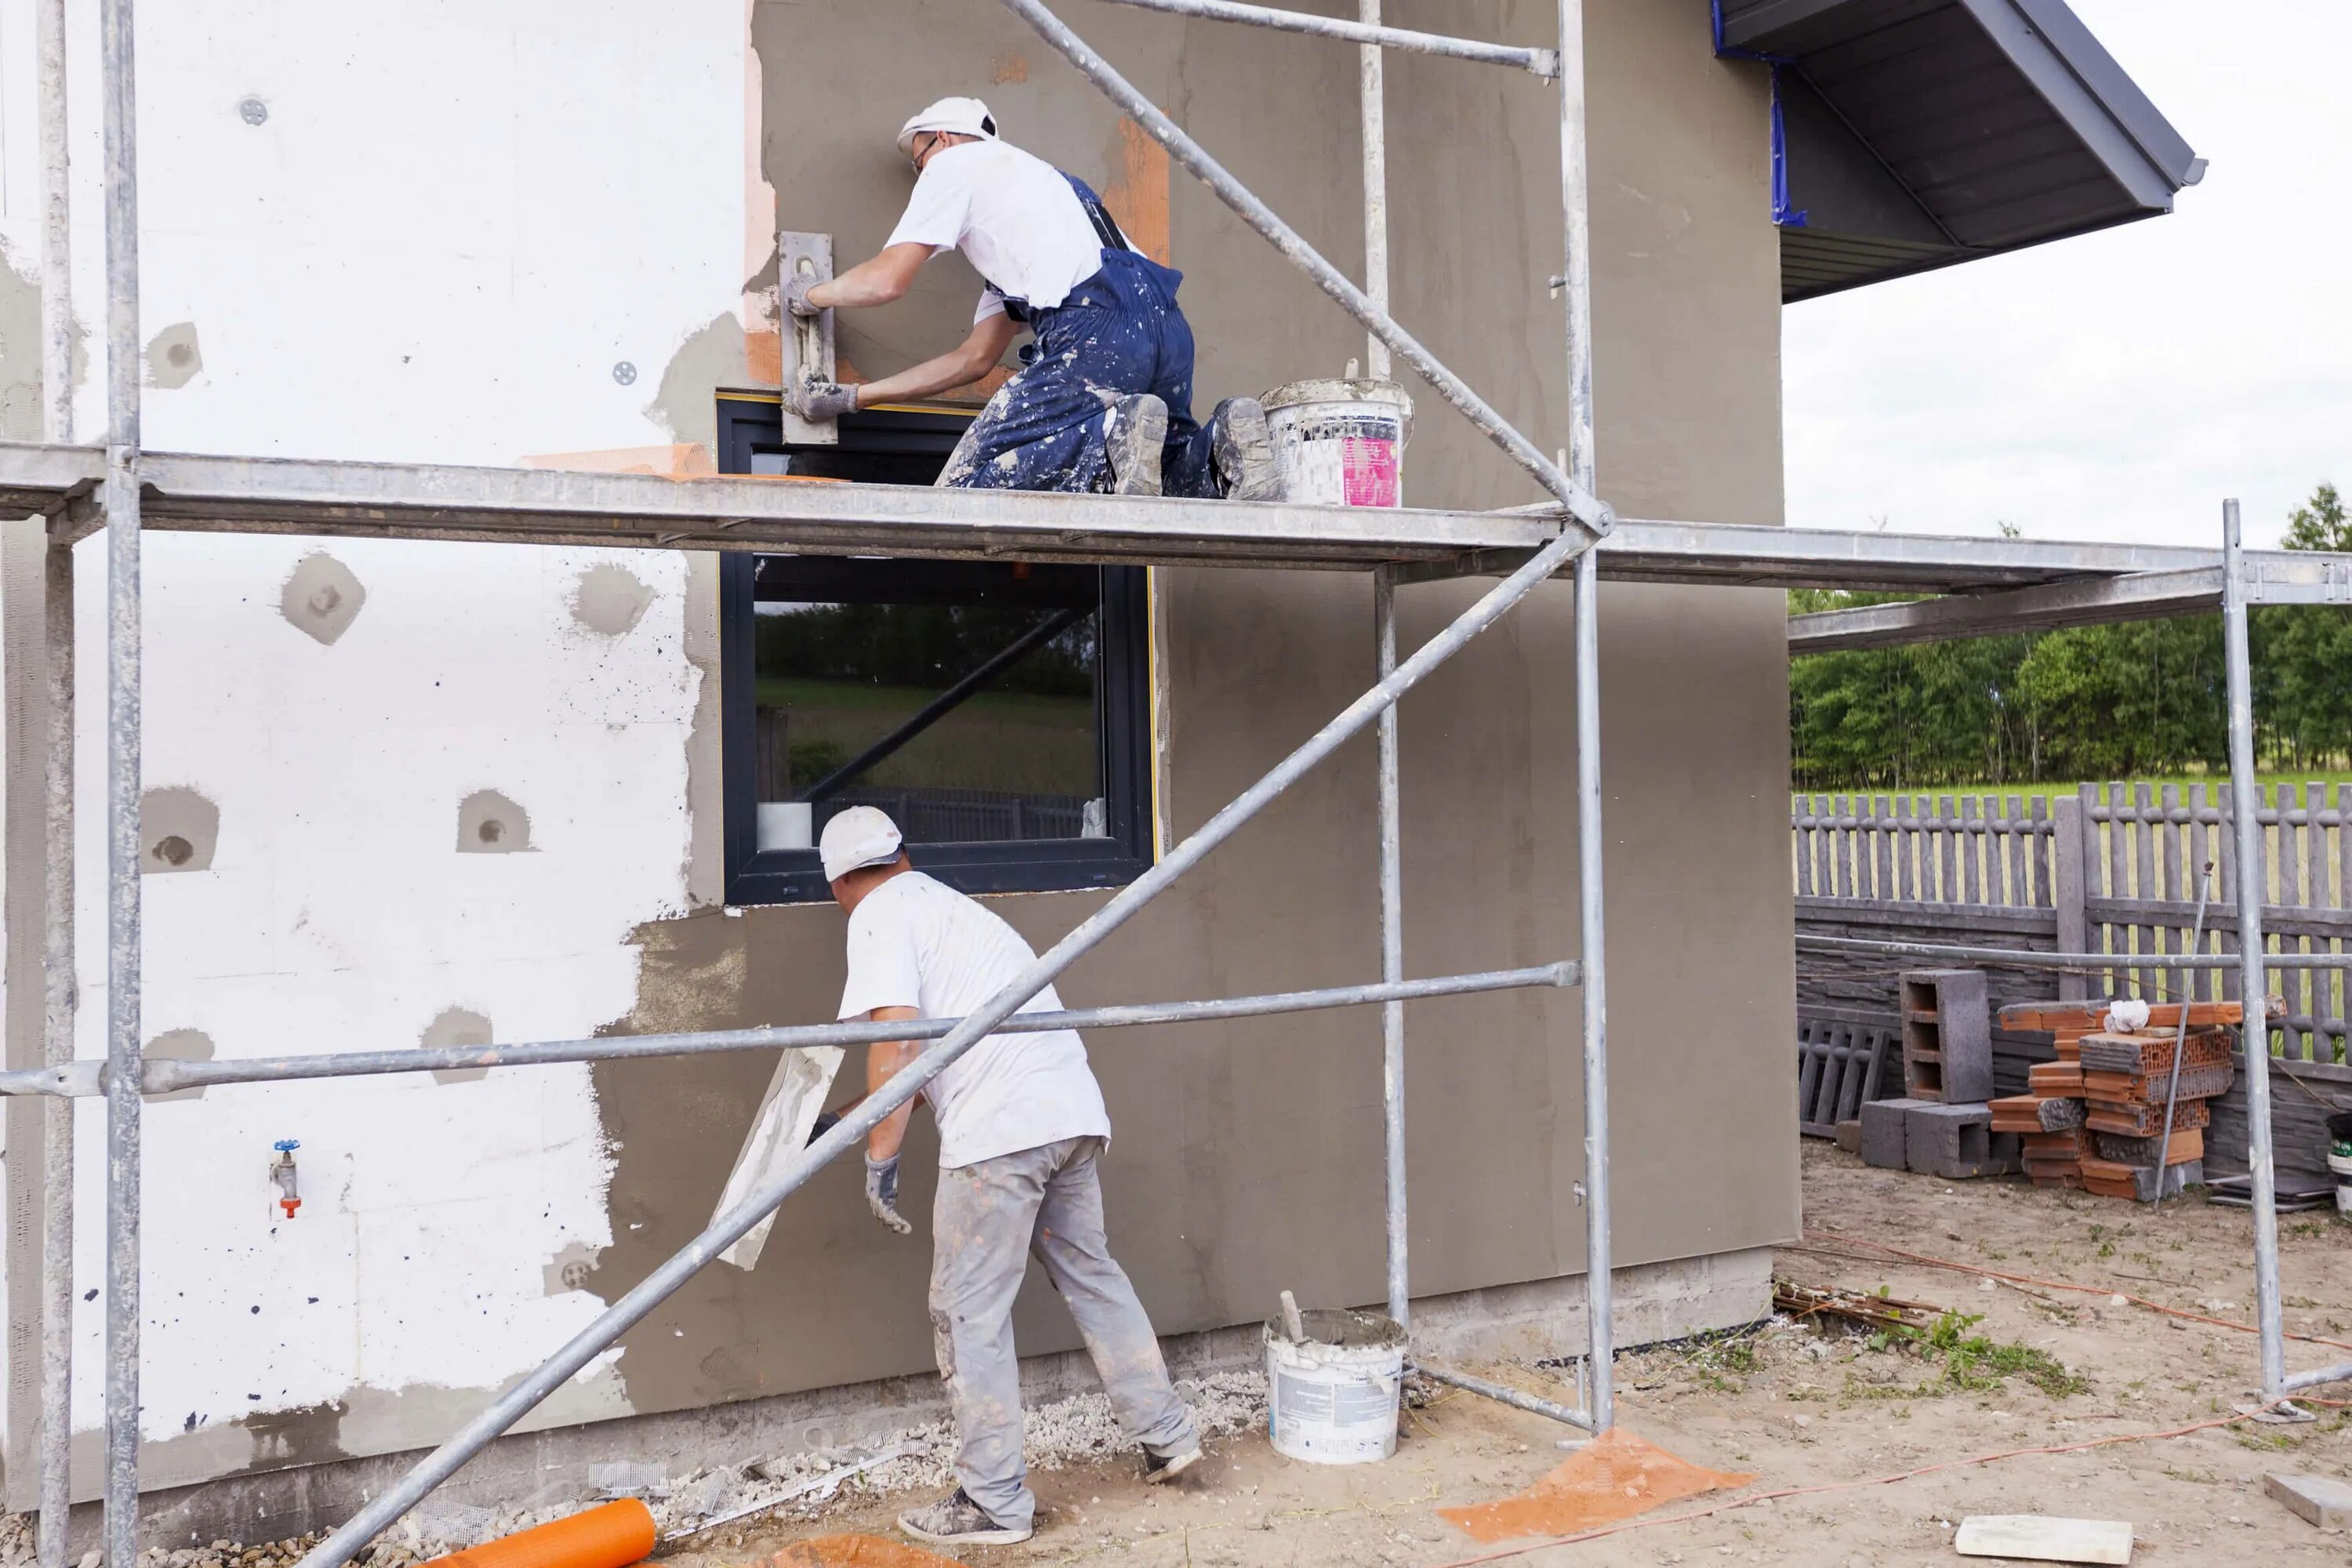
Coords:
pixel 1079 1430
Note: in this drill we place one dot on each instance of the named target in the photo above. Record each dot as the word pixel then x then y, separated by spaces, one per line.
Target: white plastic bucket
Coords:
pixel 2342 1165
pixel 1332 1396
pixel 1340 443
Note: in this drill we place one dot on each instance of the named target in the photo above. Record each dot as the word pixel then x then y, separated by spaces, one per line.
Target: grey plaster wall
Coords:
pixel 1247 1154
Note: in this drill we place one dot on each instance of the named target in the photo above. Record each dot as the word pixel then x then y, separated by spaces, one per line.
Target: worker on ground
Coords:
pixel 1106 400
pixel 1022 1129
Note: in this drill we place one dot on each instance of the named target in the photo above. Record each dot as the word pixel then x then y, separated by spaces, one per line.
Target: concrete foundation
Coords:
pixel 1539 1319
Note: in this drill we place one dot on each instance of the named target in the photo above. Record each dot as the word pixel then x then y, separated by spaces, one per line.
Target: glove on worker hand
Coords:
pixel 882 1192
pixel 794 296
pixel 821 400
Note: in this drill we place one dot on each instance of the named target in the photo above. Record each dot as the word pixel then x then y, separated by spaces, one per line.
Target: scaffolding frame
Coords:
pixel 76 490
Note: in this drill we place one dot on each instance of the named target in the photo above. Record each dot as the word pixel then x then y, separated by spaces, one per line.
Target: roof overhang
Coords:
pixel 1911 134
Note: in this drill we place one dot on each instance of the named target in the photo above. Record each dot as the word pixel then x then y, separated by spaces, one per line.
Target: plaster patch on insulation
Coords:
pixel 490 824
pixel 713 354
pixel 321 597
pixel 458 1027
pixel 179 1046
pixel 178 830
pixel 610 599
pixel 572 1269
pixel 174 356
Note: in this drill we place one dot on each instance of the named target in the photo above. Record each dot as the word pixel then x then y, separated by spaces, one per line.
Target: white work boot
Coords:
pixel 1136 431
pixel 1242 447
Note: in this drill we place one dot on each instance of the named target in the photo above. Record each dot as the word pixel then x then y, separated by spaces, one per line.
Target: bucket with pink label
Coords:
pixel 1341 442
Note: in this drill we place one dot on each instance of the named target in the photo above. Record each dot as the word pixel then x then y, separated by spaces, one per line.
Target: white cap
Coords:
pixel 961 116
pixel 861 836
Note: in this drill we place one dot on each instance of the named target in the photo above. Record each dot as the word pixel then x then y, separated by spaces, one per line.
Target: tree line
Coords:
pixel 2088 702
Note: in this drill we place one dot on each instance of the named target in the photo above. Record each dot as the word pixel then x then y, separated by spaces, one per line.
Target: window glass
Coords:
pixel 965 722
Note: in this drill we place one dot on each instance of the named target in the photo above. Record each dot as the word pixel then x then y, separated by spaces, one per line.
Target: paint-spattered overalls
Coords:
pixel 1118 333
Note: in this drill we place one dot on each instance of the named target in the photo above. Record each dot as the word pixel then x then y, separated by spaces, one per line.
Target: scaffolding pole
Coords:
pixel 1366 32
pixel 1576 278
pixel 2252 983
pixel 1392 851
pixel 122 737
pixel 170 1076
pixel 54 1434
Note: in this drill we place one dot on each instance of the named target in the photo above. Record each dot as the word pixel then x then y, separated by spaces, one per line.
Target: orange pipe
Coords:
pixel 613 1536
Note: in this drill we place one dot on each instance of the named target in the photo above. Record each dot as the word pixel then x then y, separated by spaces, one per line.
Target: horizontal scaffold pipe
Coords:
pixel 2016 958
pixel 1542 62
pixel 1586 512
pixel 727 1228
pixel 165 1076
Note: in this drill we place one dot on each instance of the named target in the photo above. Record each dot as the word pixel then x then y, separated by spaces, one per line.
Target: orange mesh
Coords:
pixel 858 1551
pixel 1615 1476
pixel 613 1536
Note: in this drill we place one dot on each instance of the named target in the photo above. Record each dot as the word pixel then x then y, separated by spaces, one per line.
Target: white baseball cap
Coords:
pixel 854 839
pixel 959 116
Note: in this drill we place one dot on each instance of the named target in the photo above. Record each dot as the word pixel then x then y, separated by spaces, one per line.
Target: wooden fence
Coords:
pixel 2112 870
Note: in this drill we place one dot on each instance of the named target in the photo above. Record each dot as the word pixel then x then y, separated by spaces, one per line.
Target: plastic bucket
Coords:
pixel 1332 1396
pixel 1340 443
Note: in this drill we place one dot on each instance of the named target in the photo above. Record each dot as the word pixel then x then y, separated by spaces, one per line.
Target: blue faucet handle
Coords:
pixel 287 1145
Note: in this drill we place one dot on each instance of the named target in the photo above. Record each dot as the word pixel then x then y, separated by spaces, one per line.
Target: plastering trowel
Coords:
pixel 795 1095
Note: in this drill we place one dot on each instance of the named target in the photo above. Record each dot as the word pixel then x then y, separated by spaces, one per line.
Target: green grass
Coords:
pixel 2027 793
pixel 994 740
pixel 1969 1362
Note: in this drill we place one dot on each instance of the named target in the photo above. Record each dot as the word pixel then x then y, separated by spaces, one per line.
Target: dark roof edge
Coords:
pixel 2112 86
pixel 1956 258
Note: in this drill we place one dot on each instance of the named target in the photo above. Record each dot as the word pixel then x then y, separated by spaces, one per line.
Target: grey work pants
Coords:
pixel 987 1219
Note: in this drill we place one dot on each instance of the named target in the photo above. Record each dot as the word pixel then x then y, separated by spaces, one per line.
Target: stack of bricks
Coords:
pixel 2127 1079
pixel 2096 1115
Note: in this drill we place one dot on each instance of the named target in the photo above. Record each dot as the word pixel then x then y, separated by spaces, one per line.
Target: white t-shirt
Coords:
pixel 1015 218
pixel 915 943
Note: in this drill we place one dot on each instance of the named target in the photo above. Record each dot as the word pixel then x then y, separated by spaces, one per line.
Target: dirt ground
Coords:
pixel 1799 1407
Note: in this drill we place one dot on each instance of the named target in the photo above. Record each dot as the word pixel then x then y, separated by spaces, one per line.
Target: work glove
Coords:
pixel 882 1192
pixel 795 296
pixel 821 400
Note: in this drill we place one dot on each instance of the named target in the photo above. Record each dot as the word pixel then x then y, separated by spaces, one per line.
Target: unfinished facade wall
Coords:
pixel 570 195
pixel 1248 1154
pixel 415 783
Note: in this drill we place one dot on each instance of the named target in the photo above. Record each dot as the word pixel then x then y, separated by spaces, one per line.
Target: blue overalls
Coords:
pixel 1118 333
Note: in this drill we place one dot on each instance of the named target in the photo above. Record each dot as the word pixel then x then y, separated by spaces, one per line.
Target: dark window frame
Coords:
pixel 748 424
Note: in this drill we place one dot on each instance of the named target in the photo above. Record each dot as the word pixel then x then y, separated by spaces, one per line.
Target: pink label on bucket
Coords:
pixel 1369 469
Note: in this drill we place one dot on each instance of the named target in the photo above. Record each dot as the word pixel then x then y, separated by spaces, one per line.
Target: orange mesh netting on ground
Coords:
pixel 858 1551
pixel 1615 1476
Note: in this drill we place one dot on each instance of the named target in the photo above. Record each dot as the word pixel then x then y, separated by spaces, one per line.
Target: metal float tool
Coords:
pixel 806 341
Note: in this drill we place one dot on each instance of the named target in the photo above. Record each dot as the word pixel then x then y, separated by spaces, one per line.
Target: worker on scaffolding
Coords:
pixel 1022 1131
pixel 1104 401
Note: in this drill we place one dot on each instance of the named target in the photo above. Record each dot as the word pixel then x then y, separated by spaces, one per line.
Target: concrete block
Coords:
pixel 1849 1136
pixel 2323 1500
pixel 1882 1137
pixel 1956 1143
pixel 1947 1036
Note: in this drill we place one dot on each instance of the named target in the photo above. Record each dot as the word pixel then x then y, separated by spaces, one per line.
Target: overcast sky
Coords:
pixel 2118 385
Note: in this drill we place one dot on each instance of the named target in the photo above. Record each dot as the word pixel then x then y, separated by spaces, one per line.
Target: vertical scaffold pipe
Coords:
pixel 1598 1283
pixel 55 1423
pixel 2254 981
pixel 122 735
pixel 1391 953
pixel 1371 68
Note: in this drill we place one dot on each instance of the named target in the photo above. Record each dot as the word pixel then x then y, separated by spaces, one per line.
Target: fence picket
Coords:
pixel 2038 849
